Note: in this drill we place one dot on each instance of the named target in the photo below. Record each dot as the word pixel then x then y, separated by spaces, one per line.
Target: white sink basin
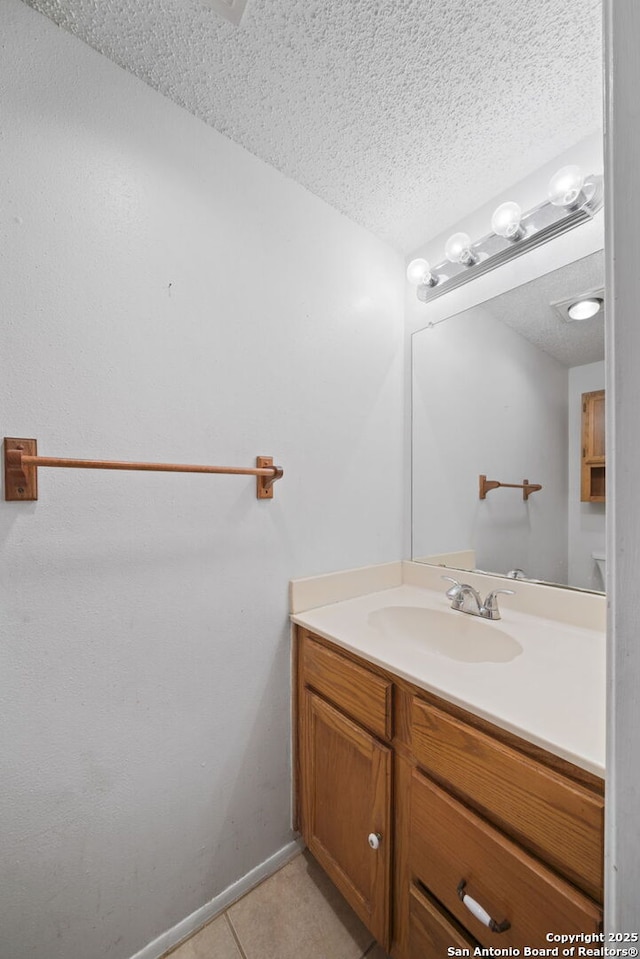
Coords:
pixel 455 635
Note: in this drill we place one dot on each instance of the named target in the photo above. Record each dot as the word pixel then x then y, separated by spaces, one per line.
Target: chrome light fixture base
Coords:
pixel 539 225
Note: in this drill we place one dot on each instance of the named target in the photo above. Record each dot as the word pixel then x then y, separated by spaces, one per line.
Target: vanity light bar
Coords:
pixel 544 222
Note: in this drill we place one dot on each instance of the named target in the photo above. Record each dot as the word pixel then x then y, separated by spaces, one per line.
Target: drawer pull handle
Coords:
pixel 476 909
pixel 374 840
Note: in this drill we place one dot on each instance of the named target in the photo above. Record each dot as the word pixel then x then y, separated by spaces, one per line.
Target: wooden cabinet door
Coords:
pixel 593 466
pixel 346 799
pixel 593 414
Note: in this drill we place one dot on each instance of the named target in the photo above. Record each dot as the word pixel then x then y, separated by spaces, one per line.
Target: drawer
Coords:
pixel 360 693
pixel 431 932
pixel 553 817
pixel 450 845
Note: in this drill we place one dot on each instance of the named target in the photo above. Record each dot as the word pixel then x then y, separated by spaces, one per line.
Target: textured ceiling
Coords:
pixel 529 310
pixel 403 114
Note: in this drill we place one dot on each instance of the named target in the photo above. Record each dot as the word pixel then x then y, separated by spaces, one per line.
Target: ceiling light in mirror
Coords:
pixel 506 221
pixel 584 309
pixel 582 305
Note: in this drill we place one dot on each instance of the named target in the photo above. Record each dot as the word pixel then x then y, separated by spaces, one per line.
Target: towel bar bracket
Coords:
pixel 264 484
pixel 20 479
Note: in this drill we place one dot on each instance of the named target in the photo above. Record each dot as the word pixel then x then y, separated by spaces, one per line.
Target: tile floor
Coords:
pixel 295 914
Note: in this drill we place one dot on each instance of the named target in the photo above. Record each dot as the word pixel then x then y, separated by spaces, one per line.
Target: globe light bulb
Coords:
pixel 506 221
pixel 419 273
pixel 458 249
pixel 565 187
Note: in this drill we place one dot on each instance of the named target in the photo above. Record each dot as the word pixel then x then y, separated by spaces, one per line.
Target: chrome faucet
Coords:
pixel 467 599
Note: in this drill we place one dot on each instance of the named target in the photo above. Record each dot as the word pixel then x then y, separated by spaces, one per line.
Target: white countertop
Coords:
pixel 551 694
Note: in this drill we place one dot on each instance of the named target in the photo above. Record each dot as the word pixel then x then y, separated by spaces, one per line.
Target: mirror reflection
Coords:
pixel 513 390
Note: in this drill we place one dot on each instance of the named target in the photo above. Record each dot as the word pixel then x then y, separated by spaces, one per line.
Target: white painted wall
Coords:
pixel 166 296
pixel 485 400
pixel 586 520
pixel 622 154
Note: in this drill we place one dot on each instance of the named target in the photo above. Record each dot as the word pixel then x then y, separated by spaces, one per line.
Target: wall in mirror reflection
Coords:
pixel 496 392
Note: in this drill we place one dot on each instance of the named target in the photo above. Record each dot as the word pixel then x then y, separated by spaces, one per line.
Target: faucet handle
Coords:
pixel 491 603
pixel 494 592
pixel 454 590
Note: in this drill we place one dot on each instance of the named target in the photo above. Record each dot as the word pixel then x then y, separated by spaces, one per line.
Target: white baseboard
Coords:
pixel 186 927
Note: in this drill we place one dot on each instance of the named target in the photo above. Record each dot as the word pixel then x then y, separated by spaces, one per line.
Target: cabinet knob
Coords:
pixel 375 839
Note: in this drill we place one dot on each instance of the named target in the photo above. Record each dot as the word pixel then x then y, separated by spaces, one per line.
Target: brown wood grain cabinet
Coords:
pixel 469 823
pixel 345 778
pixel 593 464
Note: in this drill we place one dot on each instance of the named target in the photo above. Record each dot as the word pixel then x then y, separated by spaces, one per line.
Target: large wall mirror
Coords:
pixel 498 391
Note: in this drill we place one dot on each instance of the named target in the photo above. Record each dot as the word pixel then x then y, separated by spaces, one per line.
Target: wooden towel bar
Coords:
pixel 21 462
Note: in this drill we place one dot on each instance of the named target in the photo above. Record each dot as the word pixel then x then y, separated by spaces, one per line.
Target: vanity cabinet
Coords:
pixel 483 826
pixel 593 464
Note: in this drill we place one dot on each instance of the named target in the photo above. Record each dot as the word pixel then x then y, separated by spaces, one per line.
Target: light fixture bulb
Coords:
pixel 458 249
pixel 506 221
pixel 565 187
pixel 419 273
pixel 585 309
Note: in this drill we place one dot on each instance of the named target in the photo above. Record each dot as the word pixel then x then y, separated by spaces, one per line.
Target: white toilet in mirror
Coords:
pixel 599 558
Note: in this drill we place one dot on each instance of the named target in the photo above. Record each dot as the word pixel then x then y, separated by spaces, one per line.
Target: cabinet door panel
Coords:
pixel 593 426
pixel 593 465
pixel 347 798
